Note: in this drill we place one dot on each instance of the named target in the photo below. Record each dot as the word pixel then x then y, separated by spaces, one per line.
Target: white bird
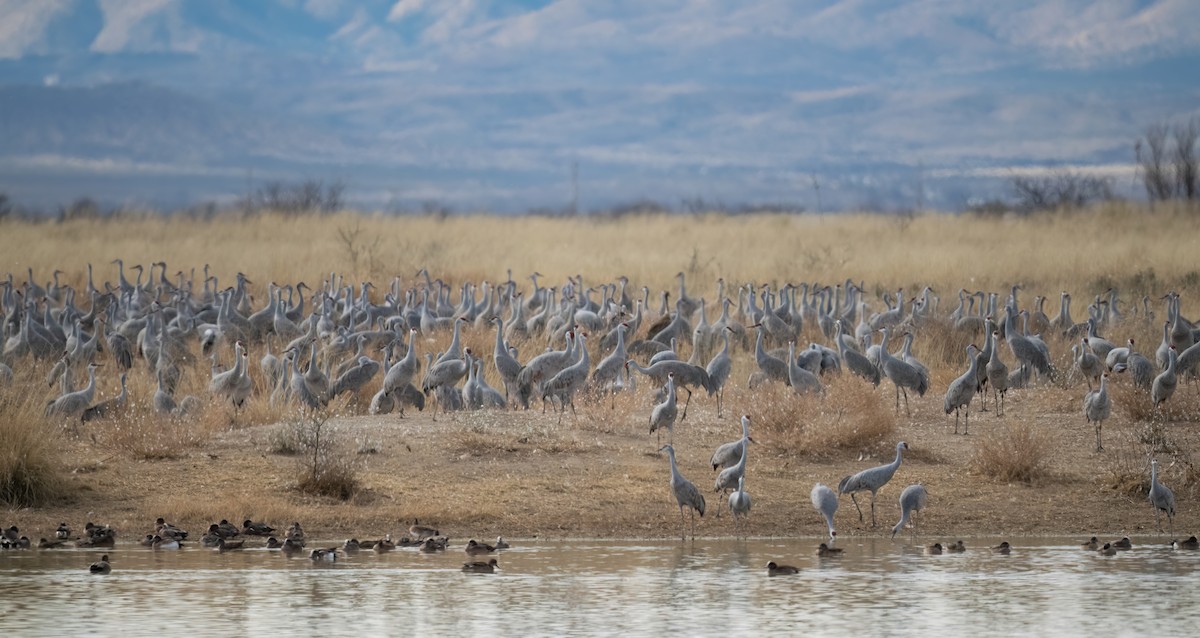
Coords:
pixel 826 502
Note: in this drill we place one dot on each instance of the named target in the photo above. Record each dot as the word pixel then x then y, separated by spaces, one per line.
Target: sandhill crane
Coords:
pixel 1086 362
pixel 773 368
pixel 962 390
pixel 446 373
pixel 508 367
pixel 718 369
pixel 686 377
pixel 729 455
pixel 543 367
pixel 607 377
pixel 1162 498
pixel 871 479
pixel 1165 383
pixel 901 374
pixel 569 380
pixel 728 477
pixel 355 378
pixel 997 375
pixel 72 405
pixel 1025 351
pixel 1139 368
pixel 670 354
pixel 1097 408
pixel 739 503
pixel 912 500
pixel 801 380
pixel 489 397
pixel 906 356
pixel 685 493
pixel 232 384
pixel 826 503
pixel 108 408
pixel 402 372
pixel 663 415
pixel 298 387
pixel 858 363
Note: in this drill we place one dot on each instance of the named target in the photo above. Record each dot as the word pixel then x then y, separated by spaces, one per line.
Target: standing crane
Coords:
pixel 728 477
pixel 663 415
pixel 686 495
pixel 1097 407
pixel 871 479
pixel 962 390
pixel 1162 498
pixel 739 503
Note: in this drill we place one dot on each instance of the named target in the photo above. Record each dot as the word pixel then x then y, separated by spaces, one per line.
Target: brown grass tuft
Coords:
pixel 852 416
pixel 325 466
pixel 31 471
pixel 1016 452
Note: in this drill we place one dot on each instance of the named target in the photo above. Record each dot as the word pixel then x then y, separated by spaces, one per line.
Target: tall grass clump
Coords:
pixel 850 417
pixel 31 469
pixel 1018 452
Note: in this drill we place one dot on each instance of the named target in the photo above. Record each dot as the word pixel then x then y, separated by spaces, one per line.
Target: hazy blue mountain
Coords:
pixel 490 104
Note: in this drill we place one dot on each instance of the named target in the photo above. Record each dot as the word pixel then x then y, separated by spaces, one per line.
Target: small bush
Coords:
pixel 851 417
pixel 1016 452
pixel 31 472
pixel 325 468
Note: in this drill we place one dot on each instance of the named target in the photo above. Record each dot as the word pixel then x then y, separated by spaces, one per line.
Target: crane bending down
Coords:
pixel 826 502
pixel 871 479
pixel 912 500
pixel 728 477
pixel 1162 498
pixel 685 493
pixel 739 503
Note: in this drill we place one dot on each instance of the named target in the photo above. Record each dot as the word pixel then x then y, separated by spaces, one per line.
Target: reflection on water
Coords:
pixel 624 587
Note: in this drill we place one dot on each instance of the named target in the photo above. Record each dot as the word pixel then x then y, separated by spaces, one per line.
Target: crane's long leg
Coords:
pixel 682 524
pixel 686 403
pixel 897 397
pixel 906 410
pixel 966 419
pixel 873 524
pixel 692 513
pixel 860 514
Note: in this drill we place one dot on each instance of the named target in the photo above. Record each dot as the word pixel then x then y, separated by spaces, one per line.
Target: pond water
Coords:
pixel 707 587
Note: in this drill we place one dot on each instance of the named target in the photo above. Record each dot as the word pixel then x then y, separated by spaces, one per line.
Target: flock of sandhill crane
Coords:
pixel 337 339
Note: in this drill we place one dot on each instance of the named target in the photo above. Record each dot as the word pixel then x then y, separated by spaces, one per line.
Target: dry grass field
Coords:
pixel 526 474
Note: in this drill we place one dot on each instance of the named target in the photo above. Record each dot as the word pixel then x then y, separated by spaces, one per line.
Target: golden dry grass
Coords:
pixel 1083 251
pixel 1015 452
pixel 31 466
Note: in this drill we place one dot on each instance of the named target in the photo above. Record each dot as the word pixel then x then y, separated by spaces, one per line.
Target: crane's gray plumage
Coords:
pixel 912 500
pixel 902 375
pixel 1162 498
pixel 962 390
pixel 739 502
pixel 686 494
pixel 871 479
pixel 1165 383
pixel 728 454
pixel 73 405
pixel 718 369
pixel 826 502
pixel 728 477
pixel 663 415
pixel 1097 407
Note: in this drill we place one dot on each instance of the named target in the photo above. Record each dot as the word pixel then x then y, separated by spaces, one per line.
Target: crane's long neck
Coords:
pixel 904 514
pixel 899 457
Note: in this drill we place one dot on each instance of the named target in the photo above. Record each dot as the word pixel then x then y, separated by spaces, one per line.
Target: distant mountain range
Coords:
pixel 515 105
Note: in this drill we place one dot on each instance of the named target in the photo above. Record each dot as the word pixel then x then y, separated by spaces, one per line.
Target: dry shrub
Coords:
pixel 326 467
pixel 1129 473
pixel 482 436
pixel 31 471
pixel 852 416
pixel 1016 452
pixel 1135 403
